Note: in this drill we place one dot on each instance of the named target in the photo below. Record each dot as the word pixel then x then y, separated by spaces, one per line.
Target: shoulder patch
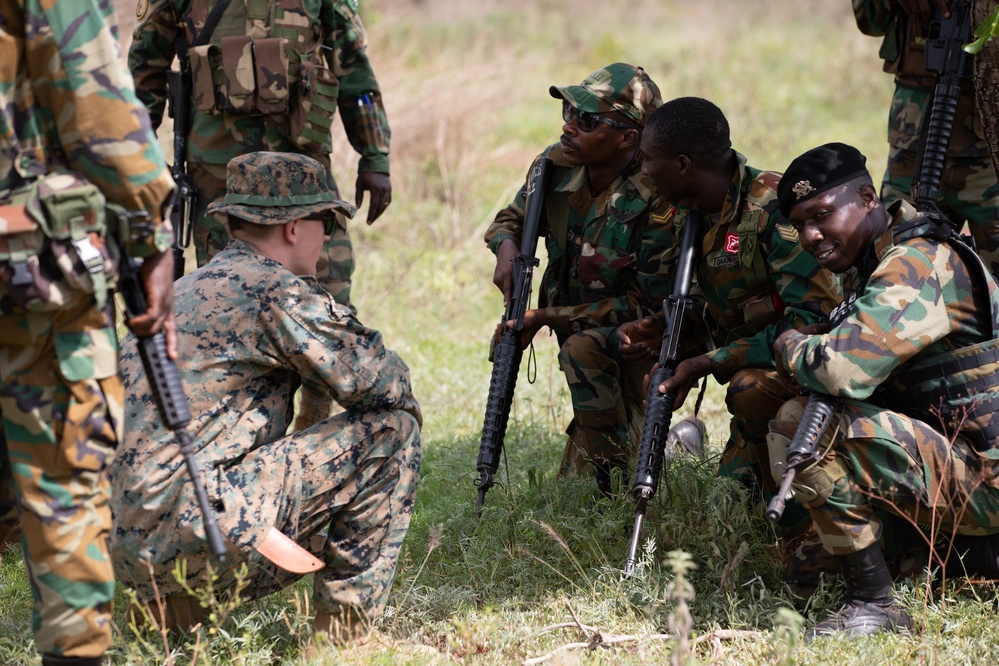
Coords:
pixel 787 232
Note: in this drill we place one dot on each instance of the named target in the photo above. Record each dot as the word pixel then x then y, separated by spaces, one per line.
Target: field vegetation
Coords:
pixel 538 578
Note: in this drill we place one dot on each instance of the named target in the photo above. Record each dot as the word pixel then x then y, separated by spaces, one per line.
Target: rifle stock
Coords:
pixel 658 406
pixel 507 352
pixel 184 207
pixel 167 389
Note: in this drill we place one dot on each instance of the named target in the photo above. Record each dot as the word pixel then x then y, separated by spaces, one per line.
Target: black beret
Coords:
pixel 816 171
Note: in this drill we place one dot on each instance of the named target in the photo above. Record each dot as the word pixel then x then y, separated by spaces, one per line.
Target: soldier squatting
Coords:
pixel 794 272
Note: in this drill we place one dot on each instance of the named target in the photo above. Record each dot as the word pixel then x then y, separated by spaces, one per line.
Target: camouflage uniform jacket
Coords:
pixel 614 263
pixel 744 316
pixel 252 333
pixel 903 49
pixel 66 102
pixel 330 27
pixel 911 300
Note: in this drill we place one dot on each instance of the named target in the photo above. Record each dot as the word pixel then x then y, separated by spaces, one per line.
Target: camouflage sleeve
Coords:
pixel 360 99
pixel 77 74
pixel 153 50
pixel 874 17
pixel 806 292
pixel 509 222
pixel 652 282
pixel 907 305
pixel 335 354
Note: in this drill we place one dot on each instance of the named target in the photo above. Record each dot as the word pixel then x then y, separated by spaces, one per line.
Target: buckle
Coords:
pixel 89 255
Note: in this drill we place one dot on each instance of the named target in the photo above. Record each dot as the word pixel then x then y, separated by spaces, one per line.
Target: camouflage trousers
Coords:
pixel 968 193
pixel 882 461
pixel 61 408
pixel 607 401
pixel 343 489
pixel 336 263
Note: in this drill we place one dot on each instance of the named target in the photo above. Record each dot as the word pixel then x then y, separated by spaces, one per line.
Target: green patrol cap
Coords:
pixel 274 188
pixel 618 87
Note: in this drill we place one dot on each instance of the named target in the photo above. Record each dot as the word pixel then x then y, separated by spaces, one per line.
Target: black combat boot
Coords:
pixel 869 606
pixel 975 556
pixel 50 660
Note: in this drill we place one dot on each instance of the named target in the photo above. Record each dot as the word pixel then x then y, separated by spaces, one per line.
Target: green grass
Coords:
pixel 466 87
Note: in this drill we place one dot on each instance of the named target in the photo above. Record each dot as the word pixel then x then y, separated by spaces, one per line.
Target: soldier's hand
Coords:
pixel 640 339
pixel 379 186
pixel 533 321
pixel 687 373
pixel 156 275
pixel 922 10
pixel 503 274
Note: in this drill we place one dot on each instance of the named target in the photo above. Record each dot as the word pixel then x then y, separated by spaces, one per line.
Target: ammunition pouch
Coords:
pixel 242 76
pixel 54 244
pixel 957 391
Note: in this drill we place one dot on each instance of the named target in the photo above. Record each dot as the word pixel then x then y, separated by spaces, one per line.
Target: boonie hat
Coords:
pixel 816 171
pixel 618 87
pixel 274 188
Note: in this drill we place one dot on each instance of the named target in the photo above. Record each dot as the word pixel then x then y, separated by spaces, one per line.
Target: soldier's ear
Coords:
pixel 869 196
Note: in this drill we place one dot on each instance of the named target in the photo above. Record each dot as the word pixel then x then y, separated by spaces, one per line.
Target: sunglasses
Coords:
pixel 587 121
pixel 328 220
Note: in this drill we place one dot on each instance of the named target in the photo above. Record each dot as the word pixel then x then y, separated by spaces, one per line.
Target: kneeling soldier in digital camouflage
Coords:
pixel 910 359
pixel 336 496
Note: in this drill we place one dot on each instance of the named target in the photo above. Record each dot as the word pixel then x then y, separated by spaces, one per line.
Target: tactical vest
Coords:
pixel 958 388
pixel 263 57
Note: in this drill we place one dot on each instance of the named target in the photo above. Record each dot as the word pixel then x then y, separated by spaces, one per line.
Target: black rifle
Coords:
pixel 184 206
pixel 944 55
pixel 507 352
pixel 164 380
pixel 658 406
pixel 804 449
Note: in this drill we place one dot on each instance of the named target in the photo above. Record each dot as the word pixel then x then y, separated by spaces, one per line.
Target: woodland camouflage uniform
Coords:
pixel 343 487
pixel 610 260
pixel 746 297
pixel 968 187
pixel 275 111
pixel 66 102
pixel 917 299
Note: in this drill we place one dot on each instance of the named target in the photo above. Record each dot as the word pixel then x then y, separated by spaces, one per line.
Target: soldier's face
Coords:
pixel 662 169
pixel 837 226
pixel 602 144
pixel 311 235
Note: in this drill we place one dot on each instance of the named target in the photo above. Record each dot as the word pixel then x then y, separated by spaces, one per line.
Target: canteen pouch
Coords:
pixel 310 120
pixel 54 245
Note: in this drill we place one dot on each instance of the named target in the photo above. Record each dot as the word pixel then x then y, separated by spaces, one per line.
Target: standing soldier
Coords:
pixel 71 133
pixel 267 76
pixel 968 188
pixel 607 236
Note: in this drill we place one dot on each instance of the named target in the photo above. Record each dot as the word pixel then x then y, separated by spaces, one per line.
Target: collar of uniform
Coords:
pixel 733 197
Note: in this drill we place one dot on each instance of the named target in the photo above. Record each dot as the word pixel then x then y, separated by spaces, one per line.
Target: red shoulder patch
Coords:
pixel 732 243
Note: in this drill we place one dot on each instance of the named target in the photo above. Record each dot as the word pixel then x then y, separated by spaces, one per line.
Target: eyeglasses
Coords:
pixel 587 121
pixel 328 220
